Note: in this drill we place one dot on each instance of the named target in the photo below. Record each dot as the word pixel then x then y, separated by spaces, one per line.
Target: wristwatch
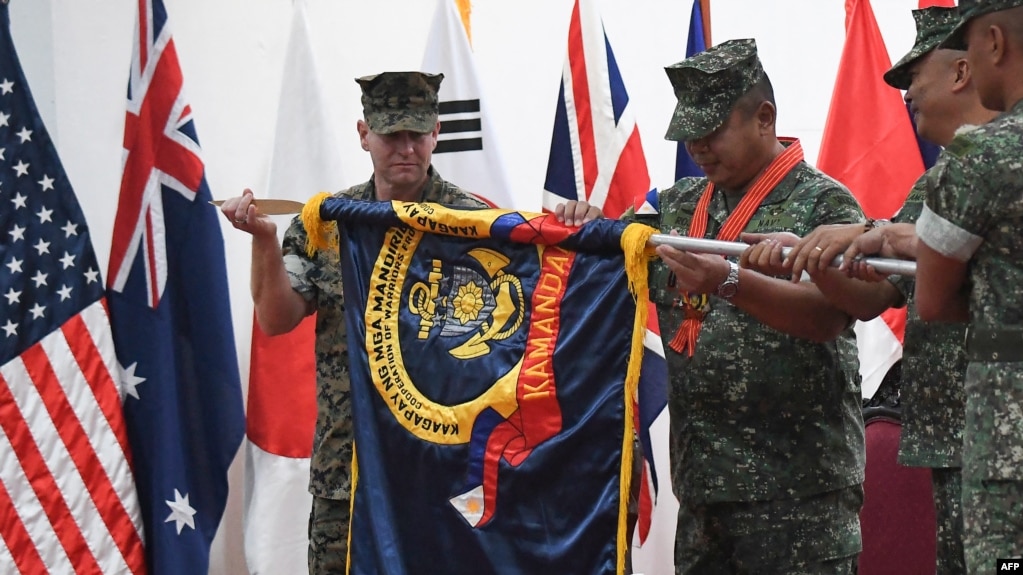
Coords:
pixel 873 224
pixel 728 287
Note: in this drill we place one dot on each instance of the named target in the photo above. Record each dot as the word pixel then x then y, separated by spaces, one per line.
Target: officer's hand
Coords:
pixel 765 252
pixel 694 273
pixel 869 243
pixel 815 252
pixel 243 214
pixel 575 213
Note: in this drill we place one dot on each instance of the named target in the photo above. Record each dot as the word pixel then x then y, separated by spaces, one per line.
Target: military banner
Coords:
pixel 490 354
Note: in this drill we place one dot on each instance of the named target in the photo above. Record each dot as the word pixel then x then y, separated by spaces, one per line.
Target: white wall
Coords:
pixel 76 56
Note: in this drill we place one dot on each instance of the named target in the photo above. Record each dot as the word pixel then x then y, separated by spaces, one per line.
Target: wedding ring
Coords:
pixel 818 248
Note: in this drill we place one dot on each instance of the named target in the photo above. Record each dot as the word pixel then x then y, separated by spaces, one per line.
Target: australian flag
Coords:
pixel 170 313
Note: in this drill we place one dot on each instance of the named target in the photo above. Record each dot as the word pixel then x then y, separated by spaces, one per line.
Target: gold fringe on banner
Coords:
pixel 638 254
pixel 322 235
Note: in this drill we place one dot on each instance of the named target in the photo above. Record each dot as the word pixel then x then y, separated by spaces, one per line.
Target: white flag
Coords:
pixel 467 153
pixel 282 408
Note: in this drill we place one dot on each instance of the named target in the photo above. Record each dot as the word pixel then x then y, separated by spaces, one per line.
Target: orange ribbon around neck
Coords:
pixel 780 166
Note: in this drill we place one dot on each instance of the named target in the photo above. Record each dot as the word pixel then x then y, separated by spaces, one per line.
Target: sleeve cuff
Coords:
pixel 297 268
pixel 945 237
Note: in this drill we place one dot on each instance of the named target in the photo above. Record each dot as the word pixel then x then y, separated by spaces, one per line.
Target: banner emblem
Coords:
pixel 460 303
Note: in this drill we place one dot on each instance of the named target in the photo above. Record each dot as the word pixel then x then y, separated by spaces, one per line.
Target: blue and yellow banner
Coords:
pixel 490 354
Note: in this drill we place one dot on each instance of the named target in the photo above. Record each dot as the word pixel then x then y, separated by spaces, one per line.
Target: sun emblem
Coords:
pixel 468 303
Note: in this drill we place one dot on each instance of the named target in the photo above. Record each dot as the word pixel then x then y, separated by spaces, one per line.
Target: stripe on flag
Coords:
pixel 461 126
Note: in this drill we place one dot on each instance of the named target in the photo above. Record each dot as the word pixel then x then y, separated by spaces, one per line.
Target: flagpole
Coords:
pixel 722 248
pixel 716 247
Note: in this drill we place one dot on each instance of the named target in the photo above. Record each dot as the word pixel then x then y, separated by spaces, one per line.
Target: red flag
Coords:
pixel 868 142
pixel 931 3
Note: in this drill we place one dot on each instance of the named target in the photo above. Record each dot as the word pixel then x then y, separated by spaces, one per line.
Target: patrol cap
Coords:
pixel 709 84
pixel 397 101
pixel 970 9
pixel 932 26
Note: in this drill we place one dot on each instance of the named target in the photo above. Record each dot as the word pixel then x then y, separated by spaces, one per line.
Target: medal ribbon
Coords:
pixel 780 166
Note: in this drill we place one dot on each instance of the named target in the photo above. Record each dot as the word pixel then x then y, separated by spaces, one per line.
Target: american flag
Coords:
pixel 170 312
pixel 67 496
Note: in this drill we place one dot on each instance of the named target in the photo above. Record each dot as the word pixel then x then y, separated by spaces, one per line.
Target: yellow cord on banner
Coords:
pixel 351 509
pixel 322 235
pixel 637 257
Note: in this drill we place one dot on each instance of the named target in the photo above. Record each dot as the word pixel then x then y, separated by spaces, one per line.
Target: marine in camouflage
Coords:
pixel 934 407
pixel 934 366
pixel 933 354
pixel 972 213
pixel 758 415
pixel 766 428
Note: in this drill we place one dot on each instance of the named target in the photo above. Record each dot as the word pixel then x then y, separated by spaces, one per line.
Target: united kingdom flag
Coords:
pixel 596 152
pixel 597 156
pixel 169 307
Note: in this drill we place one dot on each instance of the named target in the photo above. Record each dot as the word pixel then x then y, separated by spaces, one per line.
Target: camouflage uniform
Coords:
pixel 318 279
pixel 766 428
pixel 933 408
pixel 933 356
pixel 973 211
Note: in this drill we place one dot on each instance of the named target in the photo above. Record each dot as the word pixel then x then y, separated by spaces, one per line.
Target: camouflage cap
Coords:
pixel 970 9
pixel 396 101
pixel 709 84
pixel 932 26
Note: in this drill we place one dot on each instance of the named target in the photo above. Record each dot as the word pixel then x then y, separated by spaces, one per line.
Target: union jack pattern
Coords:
pixel 596 152
pixel 160 149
